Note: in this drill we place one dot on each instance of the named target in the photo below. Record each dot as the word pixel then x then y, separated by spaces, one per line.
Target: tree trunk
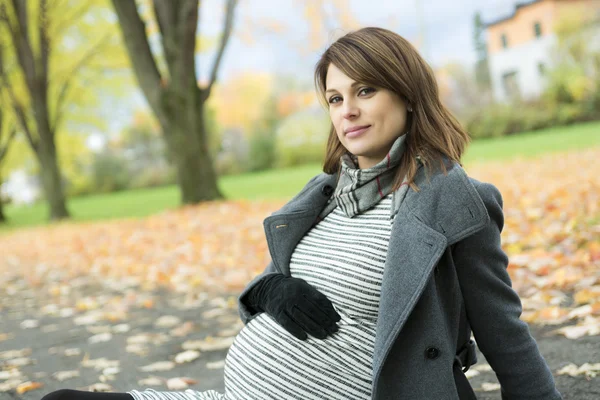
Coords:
pixel 189 153
pixel 175 98
pixel 51 181
pixel 34 66
pixel 2 216
pixel 46 152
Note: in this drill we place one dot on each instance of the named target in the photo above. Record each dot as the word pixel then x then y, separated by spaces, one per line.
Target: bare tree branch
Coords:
pixel 166 18
pixel 6 19
pixel 44 43
pixel 144 65
pixel 19 111
pixel 22 44
pixel 189 23
pixel 18 108
pixel 62 94
pixel 178 21
pixel 4 147
pixel 229 14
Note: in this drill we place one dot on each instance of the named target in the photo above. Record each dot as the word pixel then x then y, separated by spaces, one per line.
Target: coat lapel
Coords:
pixel 285 227
pixel 446 209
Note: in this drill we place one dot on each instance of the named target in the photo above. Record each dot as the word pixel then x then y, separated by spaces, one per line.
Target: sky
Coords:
pixel 446 26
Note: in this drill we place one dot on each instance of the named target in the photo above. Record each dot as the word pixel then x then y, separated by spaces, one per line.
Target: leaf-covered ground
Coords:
pixel 552 236
pixel 160 292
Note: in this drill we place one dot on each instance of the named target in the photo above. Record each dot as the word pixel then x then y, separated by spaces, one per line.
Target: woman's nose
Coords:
pixel 350 110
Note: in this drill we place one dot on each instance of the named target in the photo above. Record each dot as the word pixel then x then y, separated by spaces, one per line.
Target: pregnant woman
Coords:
pixel 383 264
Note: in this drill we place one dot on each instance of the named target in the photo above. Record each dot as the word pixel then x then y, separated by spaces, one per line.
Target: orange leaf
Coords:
pixel 28 386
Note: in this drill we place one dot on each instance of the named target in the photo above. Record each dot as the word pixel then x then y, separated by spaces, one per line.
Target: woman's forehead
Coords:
pixel 336 79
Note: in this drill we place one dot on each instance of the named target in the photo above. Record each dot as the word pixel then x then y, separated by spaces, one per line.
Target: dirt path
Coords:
pixel 52 337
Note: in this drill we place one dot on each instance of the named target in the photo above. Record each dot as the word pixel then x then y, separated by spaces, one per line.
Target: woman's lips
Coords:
pixel 358 132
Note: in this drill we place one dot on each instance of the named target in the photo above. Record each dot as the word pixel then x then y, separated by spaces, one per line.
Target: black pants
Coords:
pixel 69 394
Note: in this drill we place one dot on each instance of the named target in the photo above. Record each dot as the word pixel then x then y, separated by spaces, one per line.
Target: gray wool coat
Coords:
pixel 444 254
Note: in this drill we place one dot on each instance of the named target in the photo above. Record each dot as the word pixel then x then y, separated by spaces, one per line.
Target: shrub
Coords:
pixel 233 155
pixel 110 172
pixel 153 177
pixel 302 138
pixel 262 151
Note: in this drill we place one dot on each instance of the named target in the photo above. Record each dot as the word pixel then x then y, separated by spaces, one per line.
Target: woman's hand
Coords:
pixel 296 305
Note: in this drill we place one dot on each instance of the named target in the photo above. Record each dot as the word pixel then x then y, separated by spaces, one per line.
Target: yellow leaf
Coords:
pixel 28 386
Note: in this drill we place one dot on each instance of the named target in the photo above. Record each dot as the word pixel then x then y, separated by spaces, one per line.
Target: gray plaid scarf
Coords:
pixel 360 189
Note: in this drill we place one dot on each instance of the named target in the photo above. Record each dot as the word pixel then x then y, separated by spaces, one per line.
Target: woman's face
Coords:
pixel 355 105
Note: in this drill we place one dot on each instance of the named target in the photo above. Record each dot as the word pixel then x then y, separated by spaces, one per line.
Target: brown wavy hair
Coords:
pixel 382 58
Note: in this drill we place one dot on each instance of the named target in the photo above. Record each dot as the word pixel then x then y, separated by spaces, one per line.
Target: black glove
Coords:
pixel 297 306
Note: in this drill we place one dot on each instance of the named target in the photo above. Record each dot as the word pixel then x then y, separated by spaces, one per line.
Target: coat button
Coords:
pixel 327 190
pixel 432 353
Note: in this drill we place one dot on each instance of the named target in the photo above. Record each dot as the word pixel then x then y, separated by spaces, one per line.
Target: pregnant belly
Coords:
pixel 264 350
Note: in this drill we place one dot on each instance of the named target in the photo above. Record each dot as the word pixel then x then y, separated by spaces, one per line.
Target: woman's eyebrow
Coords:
pixel 335 90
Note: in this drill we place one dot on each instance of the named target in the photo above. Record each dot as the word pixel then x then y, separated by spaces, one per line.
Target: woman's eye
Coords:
pixel 367 90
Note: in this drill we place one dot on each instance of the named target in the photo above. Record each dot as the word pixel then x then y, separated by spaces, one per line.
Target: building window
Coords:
pixel 504 41
pixel 542 68
pixel 510 84
pixel 537 27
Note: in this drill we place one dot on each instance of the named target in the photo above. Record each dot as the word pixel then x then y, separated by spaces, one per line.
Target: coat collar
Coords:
pixel 448 204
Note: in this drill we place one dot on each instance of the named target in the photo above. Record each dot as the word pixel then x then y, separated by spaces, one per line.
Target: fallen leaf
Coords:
pixel 9 374
pixel 187 356
pixel 121 328
pixel 151 381
pixel 209 344
pixel 490 387
pixel 20 362
pixel 185 329
pixel 138 349
pixel 99 364
pixel 111 371
pixel 100 338
pixel 590 326
pixel 5 355
pixel 180 383
pixel 72 352
pixel 167 321
pixel 64 375
pixel 10 384
pixel 159 366
pixel 6 336
pixel 471 373
pixel 587 369
pixel 219 364
pixel 29 324
pixel 28 386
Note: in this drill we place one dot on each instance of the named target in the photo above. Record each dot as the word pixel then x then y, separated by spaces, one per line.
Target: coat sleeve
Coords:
pixel 494 309
pixel 247 313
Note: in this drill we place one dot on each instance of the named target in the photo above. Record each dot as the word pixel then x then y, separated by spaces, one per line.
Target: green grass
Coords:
pixel 284 183
pixel 531 144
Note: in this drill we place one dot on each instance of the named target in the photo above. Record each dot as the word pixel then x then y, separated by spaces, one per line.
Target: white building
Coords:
pixel 519 46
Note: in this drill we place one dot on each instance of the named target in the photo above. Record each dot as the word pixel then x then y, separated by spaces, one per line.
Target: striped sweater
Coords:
pixel 344 259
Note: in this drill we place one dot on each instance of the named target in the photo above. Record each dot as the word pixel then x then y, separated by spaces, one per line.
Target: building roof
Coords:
pixel 517 7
